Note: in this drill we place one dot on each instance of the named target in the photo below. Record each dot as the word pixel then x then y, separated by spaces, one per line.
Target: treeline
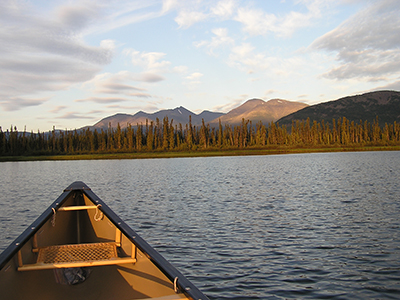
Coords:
pixel 165 135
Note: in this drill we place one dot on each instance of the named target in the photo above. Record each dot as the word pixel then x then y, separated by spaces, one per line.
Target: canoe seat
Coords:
pixel 170 297
pixel 77 255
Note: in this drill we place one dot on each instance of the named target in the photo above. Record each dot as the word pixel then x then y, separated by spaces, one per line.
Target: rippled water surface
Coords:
pixel 307 226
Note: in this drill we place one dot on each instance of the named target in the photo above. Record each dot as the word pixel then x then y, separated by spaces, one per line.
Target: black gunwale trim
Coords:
pixel 20 241
pixel 170 271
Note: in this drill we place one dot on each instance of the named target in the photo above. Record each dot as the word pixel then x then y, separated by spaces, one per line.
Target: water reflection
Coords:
pixel 266 227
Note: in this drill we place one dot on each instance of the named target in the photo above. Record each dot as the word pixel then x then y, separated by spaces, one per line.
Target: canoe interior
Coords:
pixel 136 279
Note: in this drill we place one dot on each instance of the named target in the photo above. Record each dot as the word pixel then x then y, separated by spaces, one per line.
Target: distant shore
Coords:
pixel 200 153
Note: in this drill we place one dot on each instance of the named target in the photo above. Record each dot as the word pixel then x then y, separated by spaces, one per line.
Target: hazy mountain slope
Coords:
pixel 178 115
pixel 259 110
pixel 122 119
pixel 365 107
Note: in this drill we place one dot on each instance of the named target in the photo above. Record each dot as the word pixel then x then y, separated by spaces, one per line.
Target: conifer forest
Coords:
pixel 166 136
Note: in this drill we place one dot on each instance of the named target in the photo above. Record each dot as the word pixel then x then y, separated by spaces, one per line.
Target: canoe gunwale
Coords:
pixel 19 242
pixel 157 259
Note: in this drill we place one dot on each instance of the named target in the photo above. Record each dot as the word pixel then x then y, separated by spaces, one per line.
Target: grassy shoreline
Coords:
pixel 199 153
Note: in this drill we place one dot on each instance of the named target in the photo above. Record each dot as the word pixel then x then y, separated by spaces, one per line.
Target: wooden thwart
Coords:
pixel 82 207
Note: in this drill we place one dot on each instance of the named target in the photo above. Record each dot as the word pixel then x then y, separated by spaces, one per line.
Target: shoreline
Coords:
pixel 198 153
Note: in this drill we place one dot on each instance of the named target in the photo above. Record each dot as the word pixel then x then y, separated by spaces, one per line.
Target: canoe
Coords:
pixel 80 249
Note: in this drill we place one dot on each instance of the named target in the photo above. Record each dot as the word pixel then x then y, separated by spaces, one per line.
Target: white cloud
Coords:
pixel 258 22
pixel 191 12
pixel 102 100
pixel 186 18
pixel 108 44
pixel 180 69
pixel 224 8
pixel 58 108
pixel 219 39
pixel 169 5
pixel 41 54
pixel 121 83
pixel 367 44
pixel 231 103
pixel 193 80
pixel 194 76
pixel 121 13
pixel 245 58
pixel 293 22
pixel 149 61
pixel 76 115
pixel 391 86
pixel 16 103
pixel 77 16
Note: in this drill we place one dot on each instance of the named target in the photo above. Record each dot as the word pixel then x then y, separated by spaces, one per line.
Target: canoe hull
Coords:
pixel 80 234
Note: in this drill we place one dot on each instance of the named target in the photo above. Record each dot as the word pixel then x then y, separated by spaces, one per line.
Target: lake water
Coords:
pixel 305 226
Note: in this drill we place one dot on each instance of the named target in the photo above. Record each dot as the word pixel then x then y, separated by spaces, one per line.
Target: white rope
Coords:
pixel 99 214
pixel 53 221
pixel 176 284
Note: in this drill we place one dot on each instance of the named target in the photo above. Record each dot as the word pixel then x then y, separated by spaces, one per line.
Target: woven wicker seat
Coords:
pixel 77 255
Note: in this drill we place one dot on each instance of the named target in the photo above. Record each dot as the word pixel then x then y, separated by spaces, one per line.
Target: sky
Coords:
pixel 67 64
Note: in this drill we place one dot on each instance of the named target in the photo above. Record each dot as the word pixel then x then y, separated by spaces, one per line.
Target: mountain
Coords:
pixel 365 107
pixel 178 115
pixel 254 109
pixel 259 110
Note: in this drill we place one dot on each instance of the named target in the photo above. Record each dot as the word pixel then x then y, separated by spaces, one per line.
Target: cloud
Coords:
pixel 303 96
pixel 115 88
pixel 141 95
pixel 150 61
pixel 180 69
pixel 194 79
pixel 120 85
pixel 195 76
pixel 224 8
pixel 76 115
pixel 395 86
pixel 367 44
pixel 102 100
pixel 219 40
pixel 231 104
pixel 191 12
pixel 244 58
pixel 16 103
pixel 169 5
pixel 269 92
pixel 77 16
pixel 58 109
pixel 186 19
pixel 41 54
pixel 147 77
pixel 257 22
pixel 117 14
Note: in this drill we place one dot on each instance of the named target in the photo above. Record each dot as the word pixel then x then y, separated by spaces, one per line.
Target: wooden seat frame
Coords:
pixel 77 255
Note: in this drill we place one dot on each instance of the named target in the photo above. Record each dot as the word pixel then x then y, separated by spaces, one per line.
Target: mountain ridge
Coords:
pixel 254 109
pixel 258 110
pixel 361 107
pixel 384 104
pixel 178 115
